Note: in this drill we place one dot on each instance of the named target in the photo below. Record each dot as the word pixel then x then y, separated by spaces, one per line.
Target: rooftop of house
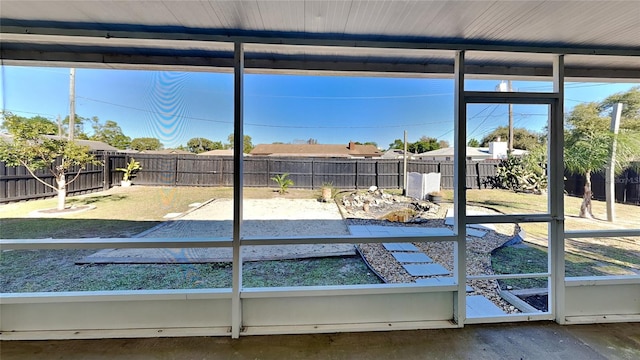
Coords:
pixel 92 144
pixel 498 150
pixel 317 150
pixel 218 152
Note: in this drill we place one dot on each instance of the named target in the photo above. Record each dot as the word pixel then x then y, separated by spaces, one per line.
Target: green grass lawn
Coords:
pixel 584 257
pixel 119 212
pixel 533 259
pixel 55 270
pixel 124 212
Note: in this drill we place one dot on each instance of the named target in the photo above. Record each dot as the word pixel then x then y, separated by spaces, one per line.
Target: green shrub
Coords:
pixel 283 182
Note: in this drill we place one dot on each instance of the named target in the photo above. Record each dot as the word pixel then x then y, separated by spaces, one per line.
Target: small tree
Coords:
pixel 130 171
pixel 109 132
pixel 247 145
pixel 35 151
pixel 200 145
pixel 522 138
pixel 146 143
pixel 588 146
pixel 396 144
pixel 283 182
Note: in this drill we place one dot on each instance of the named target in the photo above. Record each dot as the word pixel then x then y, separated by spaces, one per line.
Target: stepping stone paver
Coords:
pixel 425 269
pixel 411 257
pixel 378 230
pixel 448 220
pixel 476 233
pixel 480 306
pixel 400 247
pixel 440 281
pixel 482 226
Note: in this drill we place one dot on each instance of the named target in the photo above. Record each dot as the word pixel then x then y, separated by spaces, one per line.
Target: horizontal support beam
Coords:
pixel 506 219
pixel 508 276
pixel 22 46
pixel 108 243
pixel 602 280
pixel 575 234
pixel 369 289
pixel 494 97
pixel 595 319
pixel 344 67
pixel 358 327
pixel 114 295
pixel 118 333
pixel 509 318
pixel 444 236
pixel 27 27
pixel 177 243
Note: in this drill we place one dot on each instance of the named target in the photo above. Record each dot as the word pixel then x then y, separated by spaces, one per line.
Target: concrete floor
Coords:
pixel 544 340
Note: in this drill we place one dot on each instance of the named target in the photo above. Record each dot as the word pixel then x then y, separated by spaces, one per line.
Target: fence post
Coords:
pixel 400 181
pixel 356 177
pixel 106 171
pixel 175 167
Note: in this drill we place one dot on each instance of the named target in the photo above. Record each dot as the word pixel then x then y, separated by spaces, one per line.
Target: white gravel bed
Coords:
pixel 478 251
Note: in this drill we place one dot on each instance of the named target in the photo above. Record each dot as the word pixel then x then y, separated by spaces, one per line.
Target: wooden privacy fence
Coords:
pixel 16 184
pixel 627 188
pixel 307 173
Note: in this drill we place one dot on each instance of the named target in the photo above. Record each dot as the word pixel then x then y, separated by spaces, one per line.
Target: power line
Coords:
pixel 350 97
pixel 49 116
pixel 495 107
pixel 270 125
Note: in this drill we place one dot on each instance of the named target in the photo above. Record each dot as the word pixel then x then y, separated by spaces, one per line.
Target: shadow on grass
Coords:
pixel 96 199
pixel 56 270
pixel 522 259
pixel 513 205
pixel 615 253
pixel 58 228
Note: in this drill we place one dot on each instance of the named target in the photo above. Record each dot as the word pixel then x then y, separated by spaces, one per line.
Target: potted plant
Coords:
pixel 435 197
pixel 327 191
pixel 129 172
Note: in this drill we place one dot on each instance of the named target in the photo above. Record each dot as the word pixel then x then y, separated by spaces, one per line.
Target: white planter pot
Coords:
pixel 125 183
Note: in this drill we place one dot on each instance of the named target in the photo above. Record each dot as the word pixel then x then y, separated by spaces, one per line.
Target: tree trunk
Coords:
pixel 585 208
pixel 62 191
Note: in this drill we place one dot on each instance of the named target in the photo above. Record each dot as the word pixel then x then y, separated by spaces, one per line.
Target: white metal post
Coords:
pixel 556 195
pixel 610 181
pixel 459 185
pixel 72 103
pixel 405 181
pixel 238 149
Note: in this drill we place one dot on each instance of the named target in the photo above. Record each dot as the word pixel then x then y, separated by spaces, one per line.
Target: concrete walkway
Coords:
pixel 540 340
pixel 262 218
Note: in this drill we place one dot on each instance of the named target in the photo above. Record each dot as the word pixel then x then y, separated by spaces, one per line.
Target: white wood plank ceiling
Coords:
pixel 110 33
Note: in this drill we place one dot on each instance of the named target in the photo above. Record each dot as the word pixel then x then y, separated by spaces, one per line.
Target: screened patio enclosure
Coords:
pixel 549 42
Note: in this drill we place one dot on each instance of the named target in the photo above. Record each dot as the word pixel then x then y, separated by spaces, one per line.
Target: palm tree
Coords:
pixel 588 145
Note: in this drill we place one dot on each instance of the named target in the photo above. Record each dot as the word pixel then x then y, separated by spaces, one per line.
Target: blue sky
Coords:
pixel 177 106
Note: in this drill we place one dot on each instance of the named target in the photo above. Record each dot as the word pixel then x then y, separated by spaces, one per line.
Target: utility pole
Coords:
pixel 610 179
pixel 72 102
pixel 502 87
pixel 59 126
pixel 510 143
pixel 404 185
